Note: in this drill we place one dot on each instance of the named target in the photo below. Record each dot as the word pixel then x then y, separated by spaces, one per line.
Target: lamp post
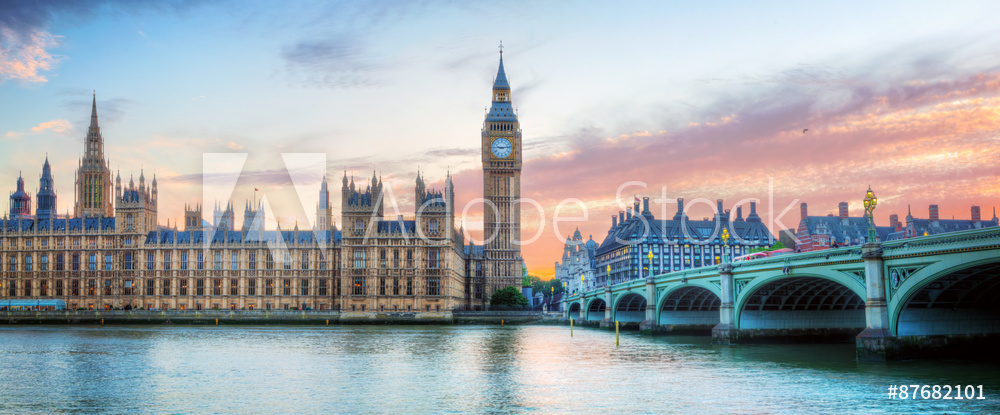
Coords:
pixel 583 283
pixel 649 273
pixel 725 245
pixel 870 202
pixel 608 282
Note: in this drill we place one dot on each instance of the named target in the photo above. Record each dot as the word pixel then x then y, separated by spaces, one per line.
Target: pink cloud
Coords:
pixel 25 59
pixel 54 125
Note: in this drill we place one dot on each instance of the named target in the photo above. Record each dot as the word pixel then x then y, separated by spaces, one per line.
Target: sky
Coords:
pixel 782 102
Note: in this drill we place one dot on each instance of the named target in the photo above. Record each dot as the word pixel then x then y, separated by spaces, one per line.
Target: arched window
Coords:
pixel 359 226
pixel 434 225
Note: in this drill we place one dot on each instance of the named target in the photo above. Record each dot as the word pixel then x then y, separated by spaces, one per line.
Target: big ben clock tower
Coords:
pixel 502 189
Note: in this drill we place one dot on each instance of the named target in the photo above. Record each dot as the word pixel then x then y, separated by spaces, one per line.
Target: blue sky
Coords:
pixel 701 98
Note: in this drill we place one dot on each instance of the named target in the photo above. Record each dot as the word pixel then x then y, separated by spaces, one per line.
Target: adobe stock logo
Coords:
pixel 221 172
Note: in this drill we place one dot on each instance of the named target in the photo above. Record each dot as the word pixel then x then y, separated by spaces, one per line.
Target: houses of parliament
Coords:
pixel 113 253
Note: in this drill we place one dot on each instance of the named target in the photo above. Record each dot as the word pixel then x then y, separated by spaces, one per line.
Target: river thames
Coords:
pixel 450 369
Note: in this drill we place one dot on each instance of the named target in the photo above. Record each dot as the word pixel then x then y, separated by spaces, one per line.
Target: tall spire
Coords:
pixel 93 150
pixel 501 80
pixel 93 112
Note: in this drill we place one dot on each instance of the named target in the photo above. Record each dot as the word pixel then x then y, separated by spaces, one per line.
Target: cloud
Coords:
pixel 108 110
pixel 344 59
pixel 54 125
pixel 233 146
pixel 335 62
pixel 451 152
pixel 58 126
pixel 25 58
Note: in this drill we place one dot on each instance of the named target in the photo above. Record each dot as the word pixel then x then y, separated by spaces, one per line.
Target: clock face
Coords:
pixel 501 148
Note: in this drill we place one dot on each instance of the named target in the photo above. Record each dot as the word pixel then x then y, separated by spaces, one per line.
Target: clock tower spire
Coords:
pixel 501 148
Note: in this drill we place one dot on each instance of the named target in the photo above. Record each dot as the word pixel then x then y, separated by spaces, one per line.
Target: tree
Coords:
pixel 777 245
pixel 546 286
pixel 509 296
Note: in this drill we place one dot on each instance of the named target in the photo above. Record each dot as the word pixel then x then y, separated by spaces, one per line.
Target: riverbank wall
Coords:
pixel 265 317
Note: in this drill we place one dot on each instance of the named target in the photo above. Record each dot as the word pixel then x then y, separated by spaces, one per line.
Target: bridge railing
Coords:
pixel 969 238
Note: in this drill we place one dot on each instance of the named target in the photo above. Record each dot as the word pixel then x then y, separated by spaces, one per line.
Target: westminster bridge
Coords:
pixel 906 298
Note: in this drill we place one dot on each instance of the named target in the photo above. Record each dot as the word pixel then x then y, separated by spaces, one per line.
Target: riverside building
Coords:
pixel 639 245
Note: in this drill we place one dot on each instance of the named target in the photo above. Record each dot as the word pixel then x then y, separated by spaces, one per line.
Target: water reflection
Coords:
pixel 460 369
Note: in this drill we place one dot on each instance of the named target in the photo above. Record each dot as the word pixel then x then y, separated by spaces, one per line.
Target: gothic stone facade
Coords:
pixel 119 256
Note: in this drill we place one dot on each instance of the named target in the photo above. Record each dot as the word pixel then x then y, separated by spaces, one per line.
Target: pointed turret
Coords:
pixel 20 201
pixel 324 194
pixel 501 80
pixel 46 197
pixel 94 144
pixel 93 112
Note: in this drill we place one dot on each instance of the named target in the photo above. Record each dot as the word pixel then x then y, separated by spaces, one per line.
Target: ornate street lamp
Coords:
pixel 870 202
pixel 608 282
pixel 725 245
pixel 650 256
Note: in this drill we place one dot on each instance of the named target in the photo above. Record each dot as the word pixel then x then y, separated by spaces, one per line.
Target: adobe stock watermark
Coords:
pixel 436 218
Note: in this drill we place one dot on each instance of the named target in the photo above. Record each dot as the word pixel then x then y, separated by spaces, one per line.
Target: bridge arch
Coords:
pixel 689 306
pixel 595 309
pixel 574 310
pixel 960 297
pixel 824 304
pixel 630 308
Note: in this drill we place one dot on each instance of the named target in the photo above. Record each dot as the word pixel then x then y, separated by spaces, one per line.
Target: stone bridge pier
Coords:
pixel 607 321
pixel 726 331
pixel 876 342
pixel 649 324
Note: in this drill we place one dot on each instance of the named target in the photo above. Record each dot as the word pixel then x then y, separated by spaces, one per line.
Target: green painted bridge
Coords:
pixel 897 299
